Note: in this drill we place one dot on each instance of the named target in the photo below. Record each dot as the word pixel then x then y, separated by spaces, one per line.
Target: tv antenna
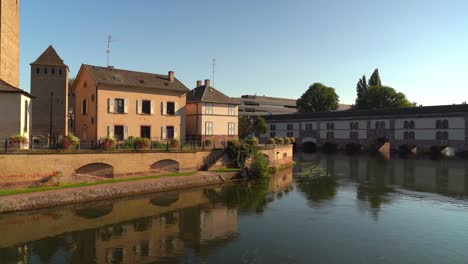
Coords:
pixel 109 41
pixel 214 64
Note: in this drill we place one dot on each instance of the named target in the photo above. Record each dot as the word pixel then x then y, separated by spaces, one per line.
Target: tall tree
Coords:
pixel 380 97
pixel 375 79
pixel 318 98
pixel 361 89
pixel 249 125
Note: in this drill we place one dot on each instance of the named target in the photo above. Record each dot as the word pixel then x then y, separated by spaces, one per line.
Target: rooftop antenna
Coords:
pixel 214 64
pixel 109 41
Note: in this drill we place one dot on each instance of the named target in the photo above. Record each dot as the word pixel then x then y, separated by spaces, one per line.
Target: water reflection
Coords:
pixel 162 227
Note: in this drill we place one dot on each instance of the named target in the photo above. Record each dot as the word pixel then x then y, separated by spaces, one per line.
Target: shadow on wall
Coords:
pixel 97 169
pixel 166 165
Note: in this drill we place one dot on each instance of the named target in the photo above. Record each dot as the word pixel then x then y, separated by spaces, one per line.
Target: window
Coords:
pixel 272 134
pixel 380 124
pixel 272 127
pixel 53 71
pixel 442 135
pixel 146 107
pixel 38 70
pixel 170 110
pixel 231 129
pixel 85 84
pixel 119 132
pixel 170 132
pixel 330 135
pixel 439 124
pixel 45 70
pixel 208 128
pixel 290 127
pixel 60 71
pixel 84 107
pixel 145 132
pixel 208 108
pixel 119 105
pixel 25 116
pixel 445 124
pixel 290 134
pixel 92 98
pixel 412 125
pixel 406 125
pixel 142 249
pixel 330 126
pixel 232 109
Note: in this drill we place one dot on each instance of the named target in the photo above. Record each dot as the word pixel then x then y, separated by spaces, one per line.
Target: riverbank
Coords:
pixel 108 190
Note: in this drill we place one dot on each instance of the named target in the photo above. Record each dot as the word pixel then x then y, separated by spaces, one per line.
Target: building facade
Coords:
pixel 15 104
pixel 211 115
pixel 421 126
pixel 49 86
pixel 118 103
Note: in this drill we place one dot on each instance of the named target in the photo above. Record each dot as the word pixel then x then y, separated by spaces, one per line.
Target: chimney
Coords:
pixel 207 82
pixel 199 83
pixel 171 76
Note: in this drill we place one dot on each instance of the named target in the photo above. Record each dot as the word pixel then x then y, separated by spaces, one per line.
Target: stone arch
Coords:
pixel 309 147
pixel 97 169
pixel 309 139
pixel 95 210
pixel 167 165
pixel 164 199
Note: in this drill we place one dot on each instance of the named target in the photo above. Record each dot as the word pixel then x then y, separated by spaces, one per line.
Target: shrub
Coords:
pixel 280 141
pixel 69 141
pixel 208 142
pixel 259 166
pixel 17 140
pixel 271 141
pixel 130 142
pixel 107 143
pixel 287 141
pixel 159 145
pixel 253 141
pixel 174 143
pixel 239 152
pixel 141 143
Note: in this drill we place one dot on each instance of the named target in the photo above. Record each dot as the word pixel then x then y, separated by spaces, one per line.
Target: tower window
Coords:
pixel 53 71
pixel 38 70
pixel 60 71
pixel 45 70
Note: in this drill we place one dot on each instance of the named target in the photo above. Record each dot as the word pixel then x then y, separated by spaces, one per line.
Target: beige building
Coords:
pixel 211 114
pixel 15 104
pixel 120 103
pixel 49 85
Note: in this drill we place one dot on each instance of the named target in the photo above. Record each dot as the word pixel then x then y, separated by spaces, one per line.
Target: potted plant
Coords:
pixel 107 143
pixel 17 140
pixel 141 143
pixel 271 141
pixel 174 143
pixel 280 141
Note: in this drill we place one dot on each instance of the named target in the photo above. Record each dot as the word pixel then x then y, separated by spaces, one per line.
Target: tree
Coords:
pixel 375 79
pixel 379 97
pixel 318 98
pixel 251 125
pixel 361 89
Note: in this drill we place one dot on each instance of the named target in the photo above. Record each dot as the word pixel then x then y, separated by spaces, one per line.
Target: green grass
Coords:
pixel 84 184
pixel 227 170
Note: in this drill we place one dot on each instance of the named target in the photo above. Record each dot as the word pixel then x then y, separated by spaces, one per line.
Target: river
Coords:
pixel 328 209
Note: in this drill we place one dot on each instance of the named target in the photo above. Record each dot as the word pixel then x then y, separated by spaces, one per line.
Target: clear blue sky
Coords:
pixel 264 47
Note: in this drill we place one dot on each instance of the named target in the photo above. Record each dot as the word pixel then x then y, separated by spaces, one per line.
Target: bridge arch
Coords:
pixel 97 169
pixel 164 199
pixel 93 211
pixel 309 145
pixel 167 165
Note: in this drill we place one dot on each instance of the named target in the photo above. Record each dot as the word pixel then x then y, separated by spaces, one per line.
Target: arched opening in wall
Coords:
pixel 353 148
pixel 407 150
pixel 267 158
pixel 309 147
pixel 166 165
pixel 97 169
pixel 94 210
pixel 329 148
pixel 164 199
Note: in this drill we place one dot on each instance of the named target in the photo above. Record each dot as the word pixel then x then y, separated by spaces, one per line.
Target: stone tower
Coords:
pixel 9 41
pixel 49 84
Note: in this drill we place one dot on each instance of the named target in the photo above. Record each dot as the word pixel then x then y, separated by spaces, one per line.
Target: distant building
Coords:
pixel 15 104
pixel 211 114
pixel 254 105
pixel 49 86
pixel 119 103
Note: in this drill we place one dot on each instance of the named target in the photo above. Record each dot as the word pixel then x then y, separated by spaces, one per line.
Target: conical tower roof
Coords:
pixel 50 58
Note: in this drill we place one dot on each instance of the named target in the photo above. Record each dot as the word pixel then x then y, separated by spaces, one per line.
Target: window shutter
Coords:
pixel 110 131
pixel 152 107
pixel 82 110
pixel 125 106
pixel 87 107
pixel 176 108
pixel 163 132
pixel 163 108
pixel 139 106
pixel 125 135
pixel 110 105
pixel 176 135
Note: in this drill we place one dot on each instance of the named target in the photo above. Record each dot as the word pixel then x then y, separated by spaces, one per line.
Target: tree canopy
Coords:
pixel 378 97
pixel 375 79
pixel 318 98
pixel 251 125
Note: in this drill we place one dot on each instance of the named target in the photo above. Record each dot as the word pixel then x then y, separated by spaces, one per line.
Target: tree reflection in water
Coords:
pixel 316 183
pixel 375 196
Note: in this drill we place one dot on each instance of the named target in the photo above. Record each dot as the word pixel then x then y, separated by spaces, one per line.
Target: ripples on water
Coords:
pixel 335 209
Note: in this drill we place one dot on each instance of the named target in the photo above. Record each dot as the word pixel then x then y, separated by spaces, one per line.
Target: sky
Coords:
pixel 264 47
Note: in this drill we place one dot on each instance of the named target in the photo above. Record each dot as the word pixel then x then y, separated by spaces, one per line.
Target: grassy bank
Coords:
pixel 226 170
pixel 84 184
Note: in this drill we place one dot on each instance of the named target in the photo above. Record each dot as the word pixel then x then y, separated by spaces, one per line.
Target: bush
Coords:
pixel 280 141
pixel 259 166
pixel 69 141
pixel 239 152
pixel 271 141
pixel 253 141
pixel 174 143
pixel 107 143
pixel 129 143
pixel 208 142
pixel 141 143
pixel 292 140
pixel 159 145
pixel 287 141
pixel 17 140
